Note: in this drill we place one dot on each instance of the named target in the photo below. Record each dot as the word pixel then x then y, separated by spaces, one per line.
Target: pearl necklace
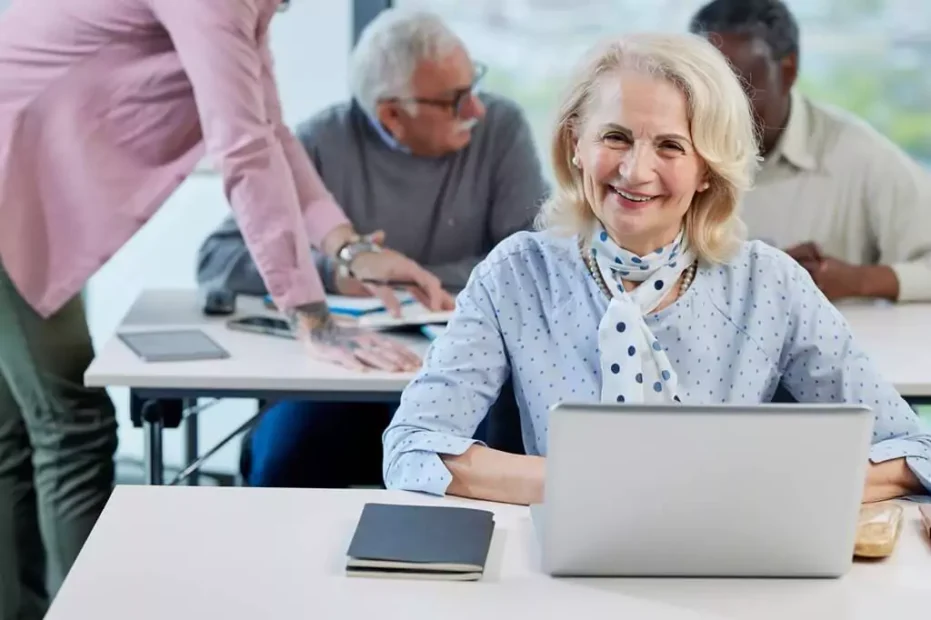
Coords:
pixel 589 259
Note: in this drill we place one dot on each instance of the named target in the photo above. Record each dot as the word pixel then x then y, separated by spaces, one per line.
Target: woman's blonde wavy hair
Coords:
pixel 720 121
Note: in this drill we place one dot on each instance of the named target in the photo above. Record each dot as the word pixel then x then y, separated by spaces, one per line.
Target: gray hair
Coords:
pixel 388 51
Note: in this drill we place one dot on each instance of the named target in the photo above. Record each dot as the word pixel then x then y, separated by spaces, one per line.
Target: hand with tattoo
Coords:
pixel 348 346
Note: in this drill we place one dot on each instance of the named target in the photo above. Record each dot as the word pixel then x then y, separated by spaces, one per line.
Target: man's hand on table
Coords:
pixel 837 279
pixel 379 274
pixel 350 287
pixel 367 269
pixel 348 346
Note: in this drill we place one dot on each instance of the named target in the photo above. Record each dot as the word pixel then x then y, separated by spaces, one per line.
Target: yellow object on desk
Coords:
pixel 878 530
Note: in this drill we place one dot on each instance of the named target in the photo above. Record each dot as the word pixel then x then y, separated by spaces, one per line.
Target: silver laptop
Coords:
pixel 722 491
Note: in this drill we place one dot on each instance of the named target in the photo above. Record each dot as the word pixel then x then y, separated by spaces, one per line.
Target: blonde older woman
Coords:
pixel 638 290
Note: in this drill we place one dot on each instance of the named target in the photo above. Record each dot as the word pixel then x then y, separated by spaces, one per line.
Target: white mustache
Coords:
pixel 467 125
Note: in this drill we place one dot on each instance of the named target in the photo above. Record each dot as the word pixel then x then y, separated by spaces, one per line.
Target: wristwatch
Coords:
pixel 350 251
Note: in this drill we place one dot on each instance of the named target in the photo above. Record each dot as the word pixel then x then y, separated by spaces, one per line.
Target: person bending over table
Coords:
pixel 446 172
pixel 638 290
pixel 104 109
pixel 841 198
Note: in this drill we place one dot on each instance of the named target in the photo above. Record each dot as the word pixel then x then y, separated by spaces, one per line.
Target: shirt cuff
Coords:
pixel 328 274
pixel 419 467
pixel 320 218
pixel 917 456
pixel 305 288
pixel 914 280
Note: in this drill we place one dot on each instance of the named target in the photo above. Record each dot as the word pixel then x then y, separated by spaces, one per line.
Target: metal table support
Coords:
pixel 157 409
pixel 191 438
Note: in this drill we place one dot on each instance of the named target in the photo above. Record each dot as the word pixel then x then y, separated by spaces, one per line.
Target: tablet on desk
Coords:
pixel 174 346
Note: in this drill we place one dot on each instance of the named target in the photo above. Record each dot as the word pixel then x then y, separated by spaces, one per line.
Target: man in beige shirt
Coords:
pixel 836 195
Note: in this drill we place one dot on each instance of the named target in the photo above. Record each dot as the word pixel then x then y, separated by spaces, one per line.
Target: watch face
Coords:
pixel 354 249
pixel 346 250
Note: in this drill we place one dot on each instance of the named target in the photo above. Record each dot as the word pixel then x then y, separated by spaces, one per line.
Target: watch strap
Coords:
pixel 348 252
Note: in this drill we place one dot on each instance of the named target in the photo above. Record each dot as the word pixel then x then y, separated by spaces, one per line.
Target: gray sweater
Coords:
pixel 445 213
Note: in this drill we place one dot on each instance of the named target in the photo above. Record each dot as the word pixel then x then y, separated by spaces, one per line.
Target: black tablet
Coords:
pixel 174 346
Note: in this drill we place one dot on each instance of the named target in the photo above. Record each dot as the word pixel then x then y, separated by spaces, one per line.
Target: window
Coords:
pixel 862 55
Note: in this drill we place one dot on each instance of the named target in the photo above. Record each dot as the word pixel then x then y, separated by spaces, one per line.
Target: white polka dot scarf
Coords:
pixel 634 366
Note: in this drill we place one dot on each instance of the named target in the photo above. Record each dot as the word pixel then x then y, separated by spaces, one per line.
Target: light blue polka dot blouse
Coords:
pixel 531 310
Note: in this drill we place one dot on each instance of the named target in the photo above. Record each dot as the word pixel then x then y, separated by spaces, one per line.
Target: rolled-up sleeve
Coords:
pixel 219 46
pixel 441 409
pixel 914 279
pixel 822 363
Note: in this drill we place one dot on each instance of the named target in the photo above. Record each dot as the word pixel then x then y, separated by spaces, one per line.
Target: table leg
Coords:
pixel 153 416
pixel 154 465
pixel 191 437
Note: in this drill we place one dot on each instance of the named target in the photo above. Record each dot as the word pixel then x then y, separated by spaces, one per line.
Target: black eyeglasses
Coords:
pixel 459 97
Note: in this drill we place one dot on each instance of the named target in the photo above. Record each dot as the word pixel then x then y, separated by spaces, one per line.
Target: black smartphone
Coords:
pixel 267 325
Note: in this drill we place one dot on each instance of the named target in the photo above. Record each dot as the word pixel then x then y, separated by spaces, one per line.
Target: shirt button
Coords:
pixel 451 222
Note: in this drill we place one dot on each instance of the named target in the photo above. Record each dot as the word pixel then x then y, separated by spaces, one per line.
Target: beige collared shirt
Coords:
pixel 834 180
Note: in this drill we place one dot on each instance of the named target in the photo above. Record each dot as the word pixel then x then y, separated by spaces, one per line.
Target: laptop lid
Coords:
pixel 729 490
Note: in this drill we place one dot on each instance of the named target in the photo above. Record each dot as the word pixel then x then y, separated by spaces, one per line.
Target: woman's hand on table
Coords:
pixel 485 473
pixel 348 346
pixel 890 480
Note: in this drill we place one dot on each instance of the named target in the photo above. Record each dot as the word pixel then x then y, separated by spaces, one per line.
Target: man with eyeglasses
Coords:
pixel 420 157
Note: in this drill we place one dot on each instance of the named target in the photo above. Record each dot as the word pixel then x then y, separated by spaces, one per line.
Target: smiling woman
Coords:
pixel 655 139
pixel 638 290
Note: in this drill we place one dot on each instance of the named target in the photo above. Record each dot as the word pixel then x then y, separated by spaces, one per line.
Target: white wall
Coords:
pixel 311 43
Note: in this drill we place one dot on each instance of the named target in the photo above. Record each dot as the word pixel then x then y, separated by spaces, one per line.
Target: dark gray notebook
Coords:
pixel 423 542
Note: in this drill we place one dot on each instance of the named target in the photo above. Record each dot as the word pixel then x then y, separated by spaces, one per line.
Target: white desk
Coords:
pixel 240 553
pixel 260 367
pixel 898 340
pixel 897 337
pixel 257 363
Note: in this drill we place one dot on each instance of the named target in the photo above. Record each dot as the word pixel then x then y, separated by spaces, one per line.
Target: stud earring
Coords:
pixel 576 162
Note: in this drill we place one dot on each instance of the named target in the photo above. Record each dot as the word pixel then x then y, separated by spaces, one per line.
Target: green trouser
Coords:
pixel 57 441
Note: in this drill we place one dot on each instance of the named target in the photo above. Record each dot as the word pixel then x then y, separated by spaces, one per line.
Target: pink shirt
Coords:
pixel 105 108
